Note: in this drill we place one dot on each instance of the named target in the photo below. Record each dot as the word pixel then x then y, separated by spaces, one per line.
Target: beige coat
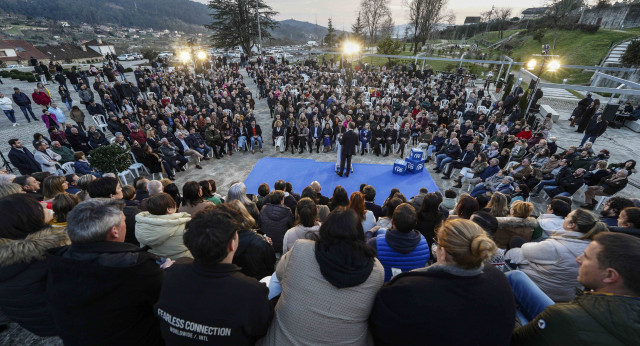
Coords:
pixel 163 233
pixel 298 232
pixel 510 226
pixel 311 311
pixel 192 210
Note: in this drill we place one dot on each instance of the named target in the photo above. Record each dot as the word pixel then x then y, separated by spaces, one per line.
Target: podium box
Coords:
pixel 400 167
pixel 416 154
pixel 414 166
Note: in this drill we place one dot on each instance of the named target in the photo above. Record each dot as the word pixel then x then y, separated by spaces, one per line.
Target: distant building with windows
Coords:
pixel 19 52
pixel 533 13
pixel 472 20
pixel 70 54
pixel 617 16
pixel 100 46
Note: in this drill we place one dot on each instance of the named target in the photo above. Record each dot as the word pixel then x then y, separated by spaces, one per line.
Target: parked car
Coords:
pixel 137 56
pixel 126 57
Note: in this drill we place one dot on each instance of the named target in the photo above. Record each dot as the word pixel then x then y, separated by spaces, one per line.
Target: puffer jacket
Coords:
pixel 23 279
pixel 551 263
pixel 299 232
pixel 254 256
pixel 547 223
pixel 276 219
pixel 163 233
pixel 510 226
pixel 400 251
pixel 591 319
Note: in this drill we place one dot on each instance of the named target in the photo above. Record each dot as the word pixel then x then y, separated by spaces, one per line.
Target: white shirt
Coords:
pixel 184 144
pixel 6 104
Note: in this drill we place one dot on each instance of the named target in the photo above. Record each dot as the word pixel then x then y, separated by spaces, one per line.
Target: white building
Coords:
pixel 100 46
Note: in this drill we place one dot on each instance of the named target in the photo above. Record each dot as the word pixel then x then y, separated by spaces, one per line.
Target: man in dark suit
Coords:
pixel 22 158
pixel 348 141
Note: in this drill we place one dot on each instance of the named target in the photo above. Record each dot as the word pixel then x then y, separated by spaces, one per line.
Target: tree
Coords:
pixel 374 13
pixel 329 39
pixel 558 11
pixel 234 23
pixel 357 29
pixel 387 28
pixel 631 56
pixel 149 54
pixel 389 47
pixel 502 15
pixel 423 16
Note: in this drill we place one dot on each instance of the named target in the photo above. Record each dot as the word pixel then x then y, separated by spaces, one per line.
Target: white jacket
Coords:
pixel 549 224
pixel 48 160
pixel 163 233
pixel 369 221
pixel 298 232
pixel 6 104
pixel 551 263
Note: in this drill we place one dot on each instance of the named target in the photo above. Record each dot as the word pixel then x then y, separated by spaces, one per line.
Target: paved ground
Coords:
pixel 623 144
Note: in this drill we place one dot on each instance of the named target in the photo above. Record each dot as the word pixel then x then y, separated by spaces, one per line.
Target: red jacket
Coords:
pixel 525 135
pixel 139 136
pixel 41 98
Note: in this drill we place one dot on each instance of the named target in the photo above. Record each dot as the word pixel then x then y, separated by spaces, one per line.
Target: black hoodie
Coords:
pixel 103 294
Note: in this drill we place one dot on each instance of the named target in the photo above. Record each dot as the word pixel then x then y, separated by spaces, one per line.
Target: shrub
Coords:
pixel 128 69
pixel 110 158
pixel 631 56
pixel 538 35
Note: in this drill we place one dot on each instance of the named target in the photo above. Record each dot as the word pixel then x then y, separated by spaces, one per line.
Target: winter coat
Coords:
pixel 510 226
pixel 400 251
pixel 215 303
pixel 103 293
pixel 77 115
pixel 299 232
pixel 24 161
pixel 41 98
pixel 591 319
pixel 551 263
pixel 547 223
pixel 276 219
pixel 23 279
pixel 163 233
pixel 255 256
pixel 444 305
pixel 333 316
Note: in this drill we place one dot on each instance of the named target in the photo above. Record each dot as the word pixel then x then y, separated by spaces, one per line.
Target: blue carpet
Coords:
pixel 301 172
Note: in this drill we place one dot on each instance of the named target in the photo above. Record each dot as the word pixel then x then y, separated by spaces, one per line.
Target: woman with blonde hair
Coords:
pixel 52 186
pixel 498 206
pixel 518 223
pixel 431 303
pixel 551 263
pixel 278 135
pixel 10 189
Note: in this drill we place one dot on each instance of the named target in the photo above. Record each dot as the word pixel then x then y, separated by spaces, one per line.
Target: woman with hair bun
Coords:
pixel 433 303
pixel 551 264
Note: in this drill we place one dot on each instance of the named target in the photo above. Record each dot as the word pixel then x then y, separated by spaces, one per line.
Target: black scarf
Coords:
pixel 341 265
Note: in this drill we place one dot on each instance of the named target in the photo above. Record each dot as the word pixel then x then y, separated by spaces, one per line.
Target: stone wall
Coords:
pixel 614 17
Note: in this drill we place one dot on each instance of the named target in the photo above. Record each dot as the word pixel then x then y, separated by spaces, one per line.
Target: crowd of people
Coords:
pixel 89 260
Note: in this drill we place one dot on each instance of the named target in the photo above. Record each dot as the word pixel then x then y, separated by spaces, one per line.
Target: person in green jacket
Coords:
pixel 607 314
pixel 582 161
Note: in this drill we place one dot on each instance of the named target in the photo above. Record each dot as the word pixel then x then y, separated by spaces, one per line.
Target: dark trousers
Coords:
pixel 344 158
pixel 28 108
pixel 176 161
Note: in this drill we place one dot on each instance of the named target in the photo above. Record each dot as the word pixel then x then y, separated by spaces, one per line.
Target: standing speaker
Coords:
pixel 610 111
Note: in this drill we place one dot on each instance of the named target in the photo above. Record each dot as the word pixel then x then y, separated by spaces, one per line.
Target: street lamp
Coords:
pixel 202 55
pixel 549 63
pixel 185 57
pixel 350 48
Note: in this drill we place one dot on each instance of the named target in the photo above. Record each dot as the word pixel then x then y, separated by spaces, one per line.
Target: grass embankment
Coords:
pixel 573 48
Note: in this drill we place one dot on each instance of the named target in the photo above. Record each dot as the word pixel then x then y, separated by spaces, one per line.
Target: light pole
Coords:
pixel 551 66
pixel 259 31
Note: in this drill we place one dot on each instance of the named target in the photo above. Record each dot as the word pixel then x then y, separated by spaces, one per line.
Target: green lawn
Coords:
pixel 493 36
pixel 574 48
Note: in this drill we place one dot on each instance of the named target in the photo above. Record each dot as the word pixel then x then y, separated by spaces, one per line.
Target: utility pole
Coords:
pixel 259 31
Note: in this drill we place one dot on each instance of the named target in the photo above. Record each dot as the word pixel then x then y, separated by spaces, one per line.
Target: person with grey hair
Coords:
pixel 170 154
pixel 185 149
pixel 121 142
pixel 100 284
pixel 48 160
pixel 154 187
pixel 322 200
pixel 238 191
pixel 608 186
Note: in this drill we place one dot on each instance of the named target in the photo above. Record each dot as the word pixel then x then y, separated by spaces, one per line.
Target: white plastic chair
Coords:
pixel 136 165
pixel 68 168
pixel 123 176
pixel 468 106
pixel 101 122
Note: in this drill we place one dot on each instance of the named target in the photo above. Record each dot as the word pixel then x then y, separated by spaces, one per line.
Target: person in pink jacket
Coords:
pixel 49 120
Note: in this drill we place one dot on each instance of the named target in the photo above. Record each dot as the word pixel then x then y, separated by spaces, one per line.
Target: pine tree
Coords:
pixel 357 29
pixel 329 39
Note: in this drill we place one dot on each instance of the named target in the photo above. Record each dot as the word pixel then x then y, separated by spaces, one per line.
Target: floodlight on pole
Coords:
pixel 350 48
pixel 531 64
pixel 554 65
pixel 185 56
pixel 202 55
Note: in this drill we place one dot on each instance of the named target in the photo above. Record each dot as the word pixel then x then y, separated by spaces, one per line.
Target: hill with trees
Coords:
pixel 156 14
